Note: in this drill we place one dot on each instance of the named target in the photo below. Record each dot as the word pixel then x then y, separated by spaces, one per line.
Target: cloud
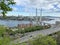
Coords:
pixel 17 2
pixel 44 4
pixel 15 9
pixel 59 5
pixel 21 2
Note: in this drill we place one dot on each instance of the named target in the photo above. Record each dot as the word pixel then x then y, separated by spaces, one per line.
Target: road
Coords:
pixel 30 35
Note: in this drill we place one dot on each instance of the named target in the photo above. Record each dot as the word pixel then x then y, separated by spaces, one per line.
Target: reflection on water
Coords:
pixel 12 23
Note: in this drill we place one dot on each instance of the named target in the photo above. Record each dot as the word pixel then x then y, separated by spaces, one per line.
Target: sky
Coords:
pixel 28 8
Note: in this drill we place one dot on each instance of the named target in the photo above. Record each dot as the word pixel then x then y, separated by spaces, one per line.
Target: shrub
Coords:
pixel 2 30
pixel 57 37
pixel 33 28
pixel 45 40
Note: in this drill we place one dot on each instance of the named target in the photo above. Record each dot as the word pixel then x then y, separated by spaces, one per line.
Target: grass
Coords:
pixel 33 28
pixel 2 30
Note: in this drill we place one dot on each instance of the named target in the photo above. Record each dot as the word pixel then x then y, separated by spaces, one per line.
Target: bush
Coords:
pixel 57 37
pixel 33 28
pixel 2 30
pixel 7 41
pixel 42 40
pixel 4 41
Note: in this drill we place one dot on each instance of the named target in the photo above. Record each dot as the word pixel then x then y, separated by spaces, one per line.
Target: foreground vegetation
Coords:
pixel 57 37
pixel 54 39
pixel 25 30
pixel 39 40
pixel 33 28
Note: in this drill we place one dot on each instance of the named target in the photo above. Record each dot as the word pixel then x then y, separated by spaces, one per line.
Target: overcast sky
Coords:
pixel 28 7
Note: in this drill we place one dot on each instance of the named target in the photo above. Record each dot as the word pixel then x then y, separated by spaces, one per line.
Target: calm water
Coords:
pixel 12 23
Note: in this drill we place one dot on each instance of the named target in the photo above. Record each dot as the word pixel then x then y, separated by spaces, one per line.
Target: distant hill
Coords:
pixel 28 18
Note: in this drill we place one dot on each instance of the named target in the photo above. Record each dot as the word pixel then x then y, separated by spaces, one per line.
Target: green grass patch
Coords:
pixel 31 29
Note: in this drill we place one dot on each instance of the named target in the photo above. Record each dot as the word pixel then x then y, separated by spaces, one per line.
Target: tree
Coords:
pixel 5 6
